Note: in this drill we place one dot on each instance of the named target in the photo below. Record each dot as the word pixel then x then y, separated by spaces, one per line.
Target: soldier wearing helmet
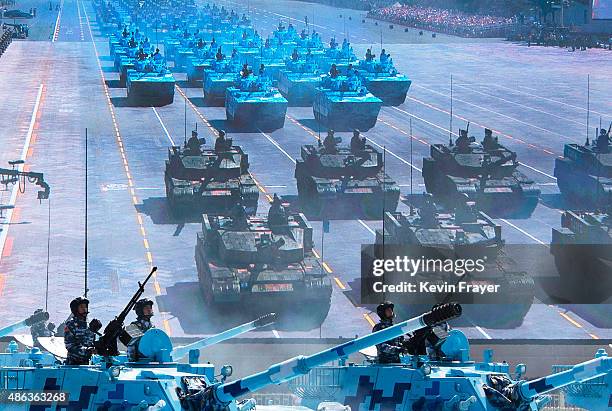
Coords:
pixel 79 337
pixel 389 351
pixel 132 333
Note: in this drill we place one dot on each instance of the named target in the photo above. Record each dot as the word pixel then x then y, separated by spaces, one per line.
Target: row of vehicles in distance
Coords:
pixel 259 79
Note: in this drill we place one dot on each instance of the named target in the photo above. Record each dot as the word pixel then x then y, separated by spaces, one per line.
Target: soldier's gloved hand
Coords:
pixel 95 325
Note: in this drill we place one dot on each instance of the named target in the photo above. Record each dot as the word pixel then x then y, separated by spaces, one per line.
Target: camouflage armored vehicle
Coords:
pixel 463 233
pixel 150 84
pixel 219 78
pixel 333 180
pixel 584 174
pixel 253 102
pixel 297 83
pixel 343 103
pixel 383 80
pixel 486 172
pixel 582 249
pixel 262 263
pixel 209 180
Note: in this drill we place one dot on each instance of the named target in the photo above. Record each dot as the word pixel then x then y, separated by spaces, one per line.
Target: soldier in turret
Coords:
pixel 219 56
pixel 132 333
pixel 369 56
pixel 194 144
pixel 333 43
pixel 276 214
pixel 330 142
pixel 294 55
pixel 222 143
pixel 79 337
pixel 489 143
pixel 238 216
pixel 384 57
pixel 388 351
pixel 358 143
pixel 463 141
pixel 333 71
pixel 603 140
pixel 245 72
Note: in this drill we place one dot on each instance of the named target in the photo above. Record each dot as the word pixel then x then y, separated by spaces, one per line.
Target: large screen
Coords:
pixel 602 9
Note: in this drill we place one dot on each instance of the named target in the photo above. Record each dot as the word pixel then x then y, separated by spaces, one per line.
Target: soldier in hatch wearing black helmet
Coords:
pixel 389 351
pixel 137 328
pixel 79 337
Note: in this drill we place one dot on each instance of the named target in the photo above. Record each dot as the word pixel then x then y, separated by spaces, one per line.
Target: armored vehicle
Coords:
pixel 197 64
pixel 486 172
pixel 582 249
pixel 584 174
pixel 151 84
pixel 464 233
pixel 253 102
pixel 439 377
pixel 341 57
pixel 262 263
pixel 297 83
pixel 591 394
pixel 333 179
pixel 343 103
pixel 209 180
pixel 382 79
pixel 219 78
pixel 157 381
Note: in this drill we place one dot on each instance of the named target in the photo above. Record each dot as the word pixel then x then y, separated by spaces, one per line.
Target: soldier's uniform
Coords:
pixel 136 329
pixel 78 338
pixel 388 351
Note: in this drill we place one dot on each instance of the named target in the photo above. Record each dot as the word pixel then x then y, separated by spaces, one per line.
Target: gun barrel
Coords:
pixel 180 352
pixel 33 319
pixel 587 370
pixel 300 365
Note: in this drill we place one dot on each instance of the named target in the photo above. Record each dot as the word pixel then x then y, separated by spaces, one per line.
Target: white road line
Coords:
pixel 517 228
pixel 480 330
pixel 538 171
pixel 521 105
pixel 394 155
pixel 276 334
pixel 367 227
pixel 498 114
pixel 24 153
pixel 164 127
pixel 545 98
pixel 56 28
pixel 271 140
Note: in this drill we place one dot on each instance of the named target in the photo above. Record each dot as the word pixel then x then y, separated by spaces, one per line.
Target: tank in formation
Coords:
pixel 219 78
pixel 342 103
pixel 253 103
pixel 197 64
pixel 460 234
pixel 382 79
pixel 298 81
pixel 262 263
pixel 341 57
pixel 582 249
pixel 486 172
pixel 209 180
pixel 584 173
pixel 333 180
pixel 437 373
pixel 150 84
pixel 158 381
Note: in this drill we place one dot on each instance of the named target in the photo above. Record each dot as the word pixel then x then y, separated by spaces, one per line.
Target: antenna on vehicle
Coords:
pixel 86 212
pixel 450 129
pixel 588 104
pixel 185 137
pixel 411 169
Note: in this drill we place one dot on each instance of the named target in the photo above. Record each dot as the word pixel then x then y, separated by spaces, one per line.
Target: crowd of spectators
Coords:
pixel 445 20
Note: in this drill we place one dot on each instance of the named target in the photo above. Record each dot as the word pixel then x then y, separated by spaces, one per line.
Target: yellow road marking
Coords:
pixel 327 267
pixel 571 320
pixel 369 319
pixel 342 287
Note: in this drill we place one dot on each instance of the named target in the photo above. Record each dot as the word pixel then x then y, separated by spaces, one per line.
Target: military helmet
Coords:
pixel 382 307
pixel 74 304
pixel 141 304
